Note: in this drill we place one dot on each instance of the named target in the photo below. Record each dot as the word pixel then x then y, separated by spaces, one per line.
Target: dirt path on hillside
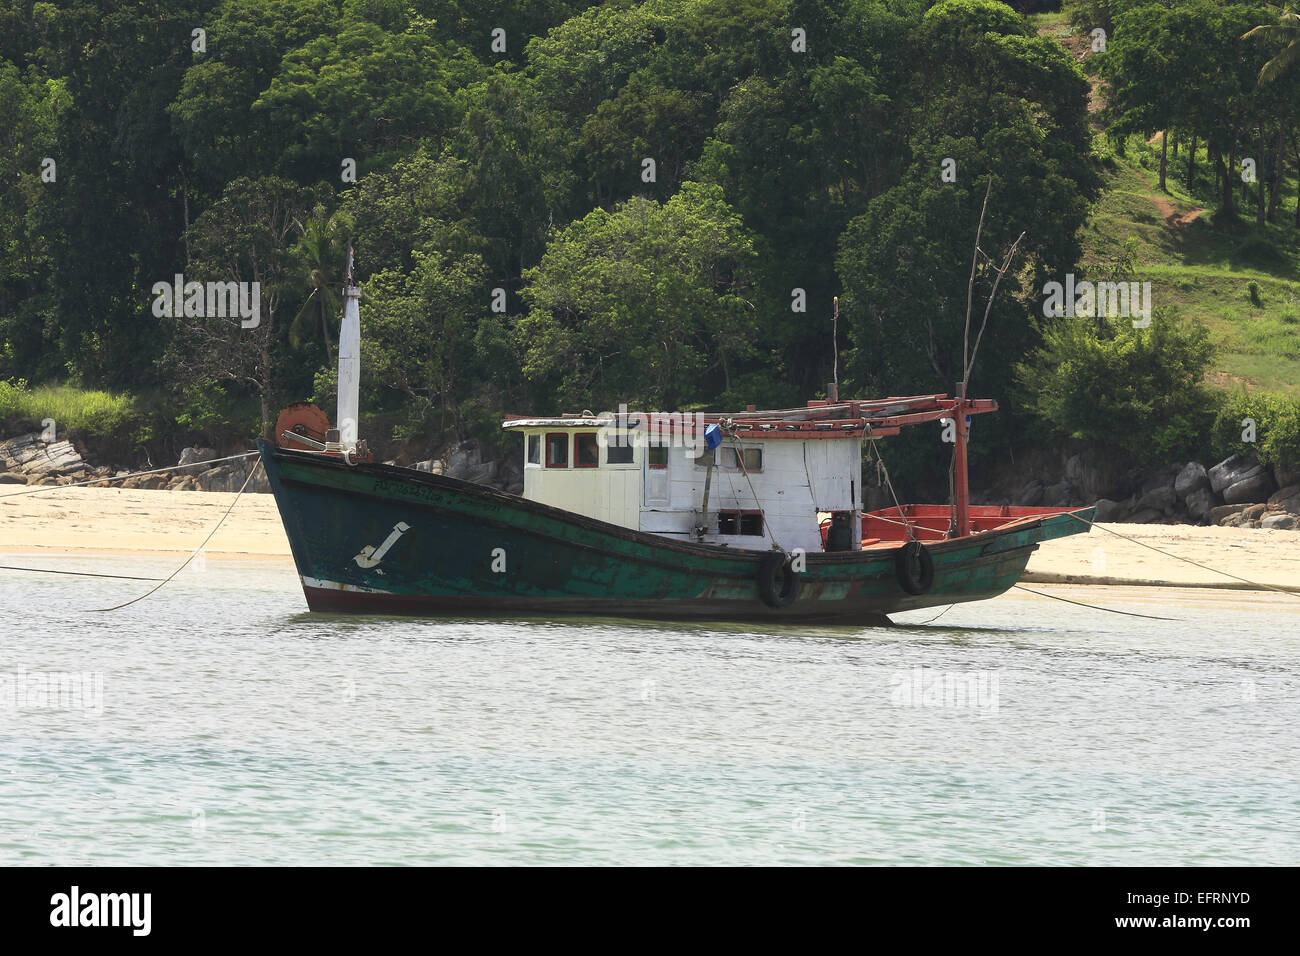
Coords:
pixel 1172 216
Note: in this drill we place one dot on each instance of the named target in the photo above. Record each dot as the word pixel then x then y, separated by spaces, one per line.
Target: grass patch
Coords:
pixel 86 411
pixel 1206 270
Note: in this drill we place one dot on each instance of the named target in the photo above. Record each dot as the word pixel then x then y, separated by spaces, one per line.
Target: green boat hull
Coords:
pixel 374 538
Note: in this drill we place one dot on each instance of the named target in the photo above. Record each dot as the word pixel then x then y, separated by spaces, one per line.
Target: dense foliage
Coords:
pixel 566 204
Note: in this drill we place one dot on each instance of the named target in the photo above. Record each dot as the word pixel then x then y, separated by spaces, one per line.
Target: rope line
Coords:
pixel 1168 554
pixel 84 574
pixel 133 474
pixel 251 472
pixel 911 536
pixel 1096 607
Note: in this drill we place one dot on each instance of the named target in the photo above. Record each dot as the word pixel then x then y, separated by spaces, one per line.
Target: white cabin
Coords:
pixel 767 480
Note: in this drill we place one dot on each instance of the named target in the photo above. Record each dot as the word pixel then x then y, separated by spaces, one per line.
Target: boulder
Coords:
pixel 1255 512
pixel 1256 486
pixel 1200 503
pixel 1224 511
pixel 1232 470
pixel 1285 476
pixel 153 482
pixel 1144 516
pixel 12 478
pixel 1031 494
pixel 1287 499
pixel 463 458
pixel 1282 520
pixel 1108 510
pixel 483 473
pixel 1060 494
pixel 191 460
pixel 1160 498
pixel 1193 477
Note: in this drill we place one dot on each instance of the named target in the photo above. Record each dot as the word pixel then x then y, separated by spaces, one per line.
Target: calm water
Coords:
pixel 236 728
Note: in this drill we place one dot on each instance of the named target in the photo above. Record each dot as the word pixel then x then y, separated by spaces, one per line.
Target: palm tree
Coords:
pixel 1285 30
pixel 320 255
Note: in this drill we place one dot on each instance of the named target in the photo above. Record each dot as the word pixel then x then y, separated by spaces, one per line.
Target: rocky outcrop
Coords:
pixel 31 456
pixel 230 478
pixel 192 460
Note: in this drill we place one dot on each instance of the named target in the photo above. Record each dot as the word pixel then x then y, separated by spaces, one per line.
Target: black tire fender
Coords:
pixel 778 582
pixel 915 567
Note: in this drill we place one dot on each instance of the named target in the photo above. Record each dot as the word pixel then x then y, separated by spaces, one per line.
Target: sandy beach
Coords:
pixel 123 521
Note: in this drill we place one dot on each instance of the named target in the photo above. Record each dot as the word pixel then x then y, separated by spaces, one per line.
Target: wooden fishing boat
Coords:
pixel 754 515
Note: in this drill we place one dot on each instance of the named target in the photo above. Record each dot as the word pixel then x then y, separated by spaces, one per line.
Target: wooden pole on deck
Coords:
pixel 962 478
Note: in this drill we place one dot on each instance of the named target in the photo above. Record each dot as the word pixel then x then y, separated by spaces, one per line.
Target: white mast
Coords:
pixel 349 363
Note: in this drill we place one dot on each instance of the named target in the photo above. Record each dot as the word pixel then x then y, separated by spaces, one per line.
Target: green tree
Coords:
pixel 642 303
pixel 1140 390
pixel 320 259
pixel 244 236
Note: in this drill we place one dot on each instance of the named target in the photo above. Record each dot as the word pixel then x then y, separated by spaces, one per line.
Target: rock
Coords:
pixel 1060 494
pixel 1238 520
pixel 1288 499
pixel 187 483
pixel 463 458
pixel 1285 476
pixel 1282 520
pixel 484 473
pixel 1223 511
pixel 131 483
pixel 1256 486
pixel 1193 477
pixel 1108 510
pixel 12 478
pixel 1031 494
pixel 153 482
pixel 1161 498
pixel 32 456
pixel 427 465
pixel 191 459
pixel 1200 503
pixel 1255 512
pixel 1230 471
pixel 1144 516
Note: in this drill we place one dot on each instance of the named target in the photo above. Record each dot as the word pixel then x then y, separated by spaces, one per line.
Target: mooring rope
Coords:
pixel 1096 607
pixel 84 574
pixel 1169 554
pixel 251 472
pixel 133 474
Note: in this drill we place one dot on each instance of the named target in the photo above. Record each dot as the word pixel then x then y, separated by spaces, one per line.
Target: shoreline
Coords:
pixel 156 523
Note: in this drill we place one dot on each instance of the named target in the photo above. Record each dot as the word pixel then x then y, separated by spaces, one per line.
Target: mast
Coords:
pixel 961 478
pixel 349 362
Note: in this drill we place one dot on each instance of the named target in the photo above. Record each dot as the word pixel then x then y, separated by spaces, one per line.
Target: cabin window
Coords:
pixel 586 451
pixel 534 449
pixel 619 454
pixel 657 456
pixel 557 450
pixel 752 460
pixel 740 522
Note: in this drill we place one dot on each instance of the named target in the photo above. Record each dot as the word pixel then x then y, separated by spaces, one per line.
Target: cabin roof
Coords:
pixel 853 418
